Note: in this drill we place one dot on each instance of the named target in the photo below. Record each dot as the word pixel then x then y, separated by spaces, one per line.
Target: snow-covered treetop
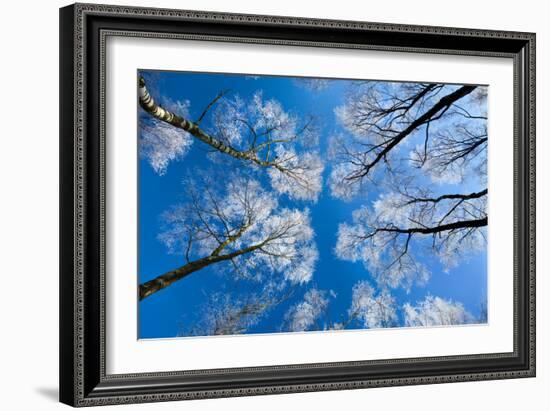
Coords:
pixel 244 221
pixel 440 130
pixel 434 311
pixel 254 131
pixel 393 235
pixel 304 315
pixel 374 311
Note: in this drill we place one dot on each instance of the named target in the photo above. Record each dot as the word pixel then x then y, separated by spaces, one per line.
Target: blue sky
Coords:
pixel 176 308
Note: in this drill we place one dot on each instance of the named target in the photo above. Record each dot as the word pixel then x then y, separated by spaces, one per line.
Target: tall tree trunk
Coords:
pixel 162 281
pixel 149 105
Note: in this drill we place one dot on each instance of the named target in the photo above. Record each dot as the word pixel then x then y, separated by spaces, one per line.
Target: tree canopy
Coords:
pixel 255 177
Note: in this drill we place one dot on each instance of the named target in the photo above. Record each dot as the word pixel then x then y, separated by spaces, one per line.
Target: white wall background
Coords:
pixel 29 205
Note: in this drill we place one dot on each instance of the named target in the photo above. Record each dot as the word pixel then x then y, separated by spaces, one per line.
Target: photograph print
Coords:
pixel 278 204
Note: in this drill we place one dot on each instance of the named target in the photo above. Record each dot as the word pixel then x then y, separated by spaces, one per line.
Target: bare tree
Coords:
pixel 256 132
pixel 227 313
pixel 447 127
pixel 237 228
pixel 383 237
pixel 382 115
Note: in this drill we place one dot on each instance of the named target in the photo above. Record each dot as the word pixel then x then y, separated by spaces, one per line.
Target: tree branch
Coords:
pixel 150 106
pixel 443 104
pixel 470 196
pixel 482 222
pixel 209 106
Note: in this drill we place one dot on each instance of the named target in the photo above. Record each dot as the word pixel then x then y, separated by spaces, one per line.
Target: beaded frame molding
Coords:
pixel 83 32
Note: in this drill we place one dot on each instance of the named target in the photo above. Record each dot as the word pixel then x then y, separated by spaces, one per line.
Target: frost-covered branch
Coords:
pixel 435 311
pixel 227 313
pixel 384 119
pixel 389 119
pixel 304 315
pixel 237 228
pixel 373 311
pixel 386 236
pixel 257 132
pixel 411 135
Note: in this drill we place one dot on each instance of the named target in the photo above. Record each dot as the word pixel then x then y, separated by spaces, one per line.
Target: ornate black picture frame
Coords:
pixel 83 32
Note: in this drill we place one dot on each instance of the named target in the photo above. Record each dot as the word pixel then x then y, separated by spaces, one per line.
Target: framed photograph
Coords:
pixel 261 204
